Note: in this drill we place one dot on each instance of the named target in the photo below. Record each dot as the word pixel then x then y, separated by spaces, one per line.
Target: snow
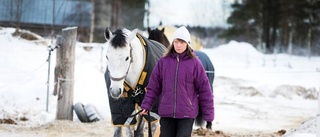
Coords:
pixel 253 92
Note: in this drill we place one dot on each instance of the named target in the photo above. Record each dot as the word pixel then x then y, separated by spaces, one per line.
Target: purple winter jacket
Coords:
pixel 181 83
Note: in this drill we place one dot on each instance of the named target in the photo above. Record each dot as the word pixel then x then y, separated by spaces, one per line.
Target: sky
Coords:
pixel 205 13
pixel 271 92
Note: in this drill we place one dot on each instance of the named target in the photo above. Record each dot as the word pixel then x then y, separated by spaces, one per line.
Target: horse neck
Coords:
pixel 137 62
pixel 166 42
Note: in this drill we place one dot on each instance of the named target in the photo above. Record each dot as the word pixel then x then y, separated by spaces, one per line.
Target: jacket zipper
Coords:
pixel 175 89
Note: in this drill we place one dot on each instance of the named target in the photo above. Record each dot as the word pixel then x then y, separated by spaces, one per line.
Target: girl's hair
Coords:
pixel 189 50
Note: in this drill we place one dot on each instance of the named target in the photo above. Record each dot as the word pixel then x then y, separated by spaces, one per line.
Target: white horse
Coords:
pixel 126 59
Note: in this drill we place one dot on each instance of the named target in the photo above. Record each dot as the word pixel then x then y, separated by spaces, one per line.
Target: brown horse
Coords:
pixel 159 35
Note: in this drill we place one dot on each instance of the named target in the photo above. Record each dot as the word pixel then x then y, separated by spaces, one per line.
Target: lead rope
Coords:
pixel 140 121
pixel 136 131
pixel 149 124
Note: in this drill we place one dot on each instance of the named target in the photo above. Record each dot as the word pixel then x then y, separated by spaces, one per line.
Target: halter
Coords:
pixel 123 77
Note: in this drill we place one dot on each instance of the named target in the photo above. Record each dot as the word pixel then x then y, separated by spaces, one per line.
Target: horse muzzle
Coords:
pixel 115 92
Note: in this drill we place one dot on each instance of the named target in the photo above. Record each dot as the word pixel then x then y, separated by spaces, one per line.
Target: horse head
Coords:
pixel 119 58
pixel 158 35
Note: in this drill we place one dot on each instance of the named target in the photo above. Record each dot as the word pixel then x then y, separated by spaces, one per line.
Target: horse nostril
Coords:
pixel 120 89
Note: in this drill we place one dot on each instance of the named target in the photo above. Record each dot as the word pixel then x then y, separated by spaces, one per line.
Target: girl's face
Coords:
pixel 179 45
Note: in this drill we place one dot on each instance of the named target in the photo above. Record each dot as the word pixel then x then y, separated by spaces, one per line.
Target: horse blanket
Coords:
pixel 133 95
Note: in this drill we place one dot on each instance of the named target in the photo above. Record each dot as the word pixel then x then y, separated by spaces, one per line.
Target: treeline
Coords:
pixel 272 26
pixel 277 26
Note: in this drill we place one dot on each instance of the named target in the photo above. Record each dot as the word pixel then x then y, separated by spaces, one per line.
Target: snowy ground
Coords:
pixel 255 94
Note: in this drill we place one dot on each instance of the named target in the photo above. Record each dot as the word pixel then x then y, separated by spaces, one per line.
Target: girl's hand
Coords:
pixel 144 112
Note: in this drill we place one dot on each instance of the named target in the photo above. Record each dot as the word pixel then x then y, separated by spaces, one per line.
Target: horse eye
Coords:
pixel 107 57
pixel 127 58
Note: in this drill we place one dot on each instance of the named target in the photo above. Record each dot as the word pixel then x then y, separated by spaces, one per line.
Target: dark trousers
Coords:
pixel 172 127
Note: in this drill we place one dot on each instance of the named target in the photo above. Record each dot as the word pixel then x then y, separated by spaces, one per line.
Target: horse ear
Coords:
pixel 149 30
pixel 162 30
pixel 107 34
pixel 132 35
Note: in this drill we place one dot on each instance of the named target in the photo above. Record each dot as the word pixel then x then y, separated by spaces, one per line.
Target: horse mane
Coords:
pixel 119 39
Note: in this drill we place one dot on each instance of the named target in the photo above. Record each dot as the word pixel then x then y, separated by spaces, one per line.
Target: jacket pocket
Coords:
pixel 188 102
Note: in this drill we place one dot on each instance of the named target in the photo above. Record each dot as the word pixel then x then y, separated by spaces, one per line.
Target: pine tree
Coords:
pixel 268 24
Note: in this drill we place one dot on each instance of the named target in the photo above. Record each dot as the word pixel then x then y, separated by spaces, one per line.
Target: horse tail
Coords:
pixel 199 121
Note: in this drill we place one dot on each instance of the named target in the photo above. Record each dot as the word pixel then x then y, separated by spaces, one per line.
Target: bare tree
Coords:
pixel 92 22
pixel 16 10
pixel 115 18
pixel 18 13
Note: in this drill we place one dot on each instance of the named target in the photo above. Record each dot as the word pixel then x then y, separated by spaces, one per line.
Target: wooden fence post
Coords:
pixel 65 73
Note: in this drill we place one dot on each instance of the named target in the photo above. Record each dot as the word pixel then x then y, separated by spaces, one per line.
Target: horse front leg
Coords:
pixel 140 129
pixel 130 131
pixel 117 132
pixel 154 127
